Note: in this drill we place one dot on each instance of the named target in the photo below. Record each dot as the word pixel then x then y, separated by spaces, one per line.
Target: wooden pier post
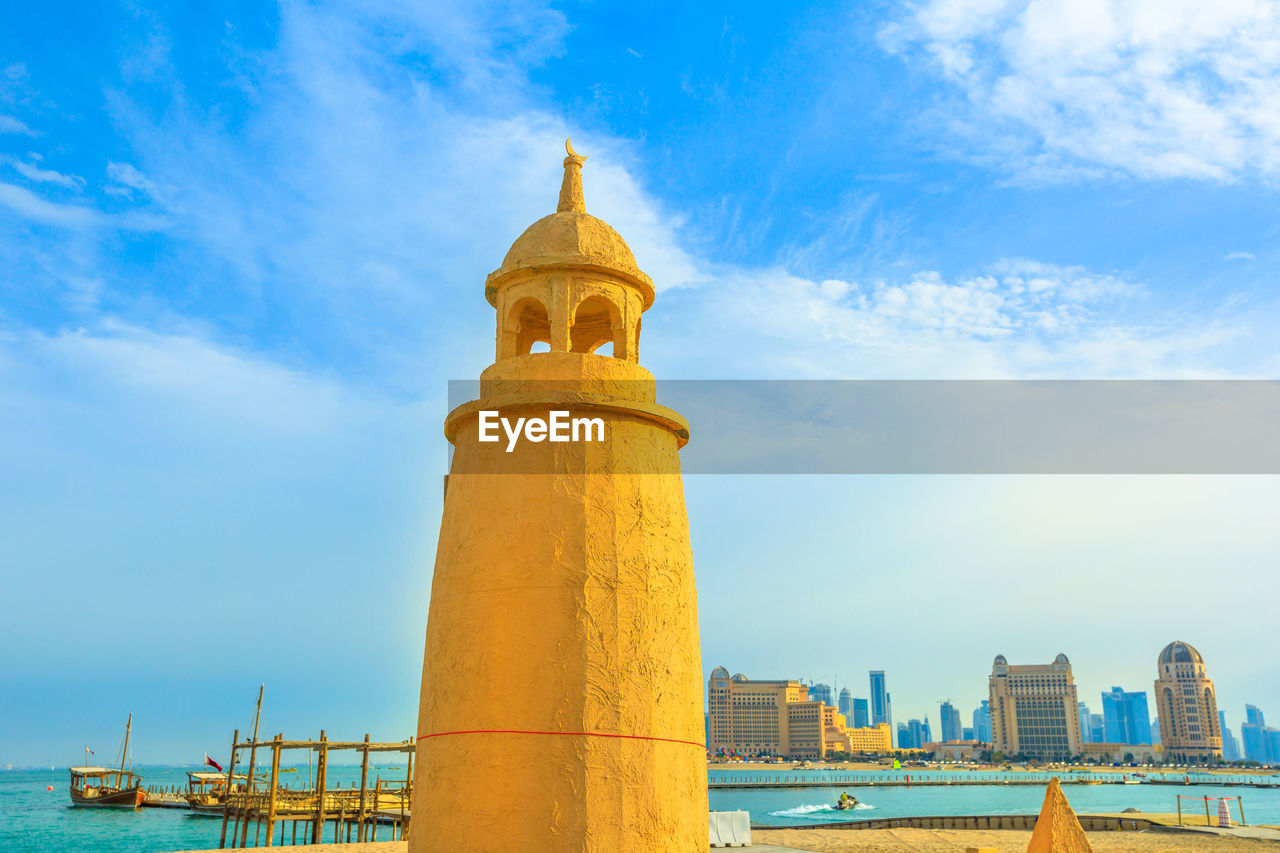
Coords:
pixel 322 766
pixel 248 800
pixel 271 793
pixel 226 810
pixel 364 779
pixel 406 796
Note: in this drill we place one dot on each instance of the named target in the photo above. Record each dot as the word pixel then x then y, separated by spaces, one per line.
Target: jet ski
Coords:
pixel 845 803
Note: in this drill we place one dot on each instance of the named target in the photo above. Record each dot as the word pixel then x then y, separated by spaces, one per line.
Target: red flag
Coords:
pixel 209 762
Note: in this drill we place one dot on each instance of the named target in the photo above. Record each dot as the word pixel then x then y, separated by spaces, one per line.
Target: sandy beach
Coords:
pixel 1006 841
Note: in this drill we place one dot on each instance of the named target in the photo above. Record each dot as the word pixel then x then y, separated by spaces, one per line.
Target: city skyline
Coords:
pixel 1127 728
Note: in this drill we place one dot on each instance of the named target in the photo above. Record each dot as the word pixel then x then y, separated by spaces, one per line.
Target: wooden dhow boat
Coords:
pixel 106 788
pixel 207 792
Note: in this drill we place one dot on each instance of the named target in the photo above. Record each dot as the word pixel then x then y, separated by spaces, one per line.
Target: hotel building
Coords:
pixel 1186 706
pixel 779 718
pixel 1034 709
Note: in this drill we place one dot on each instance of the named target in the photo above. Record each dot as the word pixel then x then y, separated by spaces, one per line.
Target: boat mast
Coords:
pixel 257 712
pixel 124 753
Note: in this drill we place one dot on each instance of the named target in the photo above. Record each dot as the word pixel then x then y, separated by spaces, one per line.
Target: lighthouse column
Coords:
pixel 561 704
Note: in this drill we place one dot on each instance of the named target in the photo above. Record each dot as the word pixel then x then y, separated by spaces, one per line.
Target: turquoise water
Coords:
pixel 33 818
pixel 799 806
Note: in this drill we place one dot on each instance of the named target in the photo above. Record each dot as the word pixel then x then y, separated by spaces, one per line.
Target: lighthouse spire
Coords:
pixel 571 189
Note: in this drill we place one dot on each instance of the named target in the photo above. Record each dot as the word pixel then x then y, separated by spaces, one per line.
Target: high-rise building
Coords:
pixel 1255 737
pixel 1086 735
pixel 846 703
pixel 950 721
pixel 780 718
pixel 982 722
pixel 751 717
pixel 880 711
pixel 1186 705
pixel 1034 709
pixel 822 693
pixel 904 737
pixel 861 716
pixel 1124 717
pixel 915 735
pixel 1155 730
pixel 926 733
pixel 1230 749
pixel 966 733
pixel 1096 734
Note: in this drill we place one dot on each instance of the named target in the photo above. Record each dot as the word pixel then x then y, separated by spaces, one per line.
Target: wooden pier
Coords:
pixel 355 812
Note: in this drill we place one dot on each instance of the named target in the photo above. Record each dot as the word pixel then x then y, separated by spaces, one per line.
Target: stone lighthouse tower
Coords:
pixel 561 703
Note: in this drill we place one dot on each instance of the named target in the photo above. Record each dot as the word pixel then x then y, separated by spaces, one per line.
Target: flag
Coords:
pixel 209 762
pixel 90 751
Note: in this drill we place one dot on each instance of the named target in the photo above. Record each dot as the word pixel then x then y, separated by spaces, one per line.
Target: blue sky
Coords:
pixel 242 250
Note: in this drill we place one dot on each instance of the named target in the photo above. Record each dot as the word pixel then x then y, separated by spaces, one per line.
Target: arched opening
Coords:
pixel 593 326
pixel 527 324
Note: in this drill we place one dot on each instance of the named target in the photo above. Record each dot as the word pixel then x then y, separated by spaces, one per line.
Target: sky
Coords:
pixel 242 252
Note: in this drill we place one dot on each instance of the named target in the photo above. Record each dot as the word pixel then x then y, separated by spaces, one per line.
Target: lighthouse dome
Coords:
pixel 571 238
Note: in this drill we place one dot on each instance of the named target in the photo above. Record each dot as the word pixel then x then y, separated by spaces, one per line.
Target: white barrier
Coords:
pixel 730 829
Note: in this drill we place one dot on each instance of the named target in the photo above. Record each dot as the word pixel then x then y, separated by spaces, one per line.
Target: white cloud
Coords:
pixel 9 124
pixel 32 207
pixel 1017 318
pixel 1151 88
pixel 127 178
pixel 37 209
pixel 1241 256
pixel 46 176
pixel 193 380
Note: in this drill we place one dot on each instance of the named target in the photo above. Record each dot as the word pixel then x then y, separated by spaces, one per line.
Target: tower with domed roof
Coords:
pixel 1186 706
pixel 563 578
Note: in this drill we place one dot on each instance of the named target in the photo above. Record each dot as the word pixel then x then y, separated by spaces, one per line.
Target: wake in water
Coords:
pixel 822 811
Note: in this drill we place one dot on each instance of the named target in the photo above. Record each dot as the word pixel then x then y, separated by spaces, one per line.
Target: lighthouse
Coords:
pixel 561 704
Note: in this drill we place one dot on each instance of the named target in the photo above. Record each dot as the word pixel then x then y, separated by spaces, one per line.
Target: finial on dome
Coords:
pixel 571 189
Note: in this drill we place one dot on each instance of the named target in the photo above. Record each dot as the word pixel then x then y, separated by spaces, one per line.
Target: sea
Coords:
pixel 35 812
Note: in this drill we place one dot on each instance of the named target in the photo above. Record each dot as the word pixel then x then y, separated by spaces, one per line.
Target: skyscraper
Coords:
pixel 926 733
pixel 904 737
pixel 821 693
pixel 1124 717
pixel 1230 749
pixel 950 722
pixel 846 703
pixel 861 717
pixel 982 722
pixel 915 735
pixel 1187 706
pixel 1086 733
pixel 880 712
pixel 1095 729
pixel 1034 709
pixel 1255 736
